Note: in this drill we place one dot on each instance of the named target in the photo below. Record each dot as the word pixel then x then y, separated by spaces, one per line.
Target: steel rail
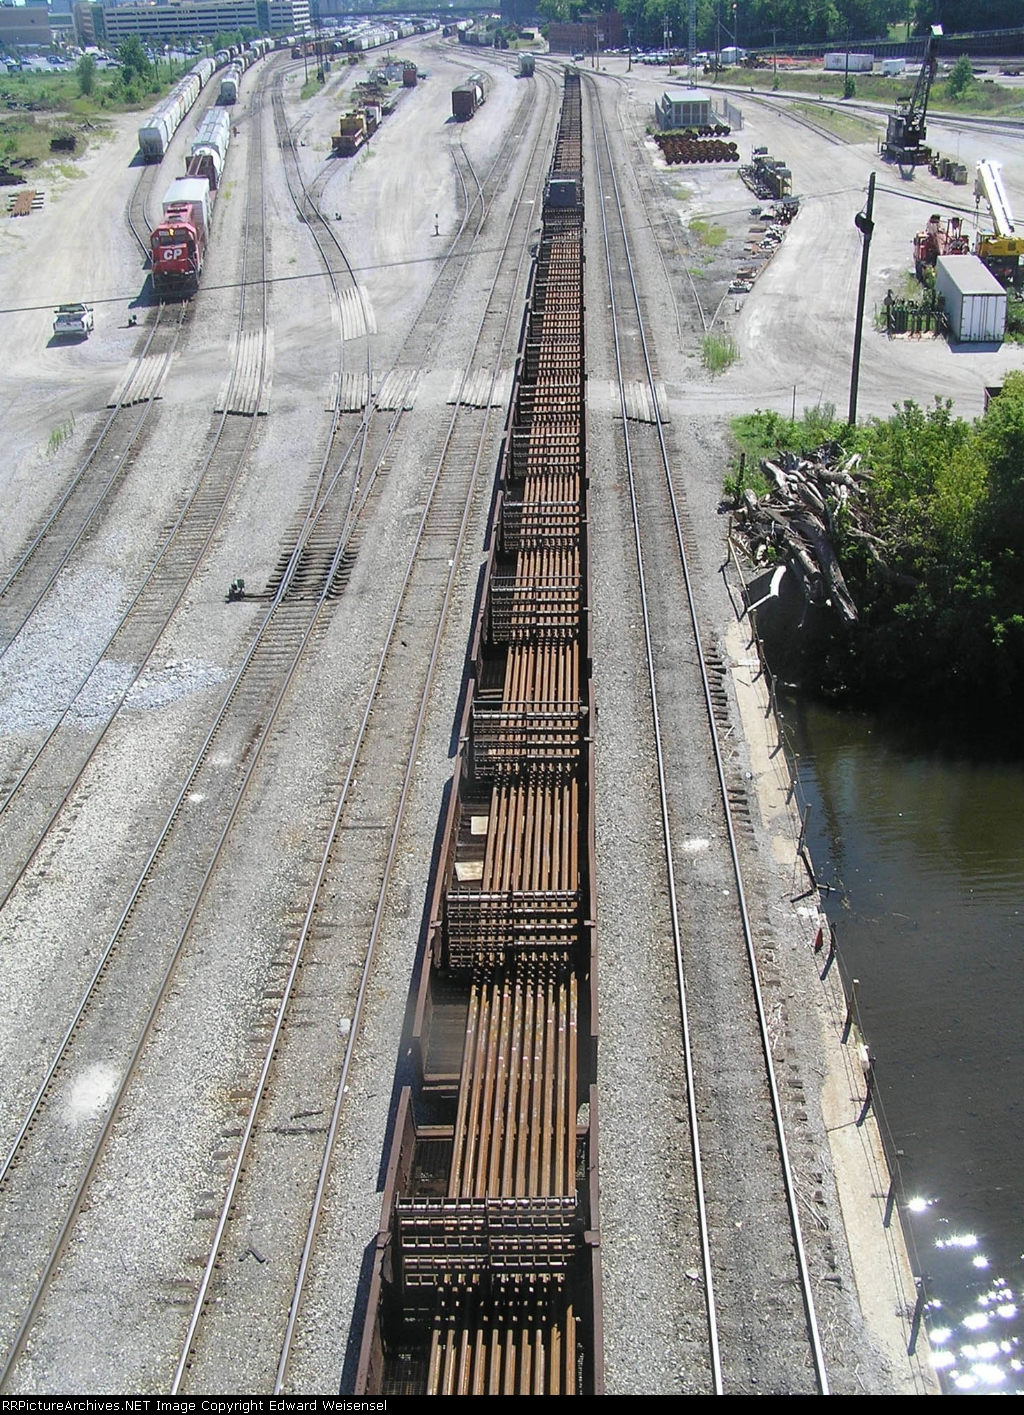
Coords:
pixel 666 825
pixel 787 1174
pixel 328 848
pixel 181 524
pixel 674 227
pixel 371 944
pixel 140 198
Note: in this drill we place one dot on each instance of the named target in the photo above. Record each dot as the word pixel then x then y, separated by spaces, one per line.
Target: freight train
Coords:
pixel 229 82
pixel 178 241
pixel 156 132
pixel 485 1276
pixel 467 97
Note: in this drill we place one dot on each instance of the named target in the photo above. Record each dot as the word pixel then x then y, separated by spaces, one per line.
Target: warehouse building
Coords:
pixel 589 34
pixel 181 18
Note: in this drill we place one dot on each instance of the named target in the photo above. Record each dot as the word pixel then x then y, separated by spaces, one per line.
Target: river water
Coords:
pixel 924 845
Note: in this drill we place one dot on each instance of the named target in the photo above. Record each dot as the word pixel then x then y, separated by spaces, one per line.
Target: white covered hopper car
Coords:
pixel 156 132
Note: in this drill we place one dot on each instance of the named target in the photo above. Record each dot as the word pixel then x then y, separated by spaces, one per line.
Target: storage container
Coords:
pixel 974 299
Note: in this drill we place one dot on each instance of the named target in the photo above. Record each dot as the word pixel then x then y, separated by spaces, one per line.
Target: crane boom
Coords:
pixel 905 130
pixel 989 184
pixel 1002 248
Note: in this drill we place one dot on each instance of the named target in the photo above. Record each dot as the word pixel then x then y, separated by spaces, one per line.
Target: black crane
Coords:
pixel 905 131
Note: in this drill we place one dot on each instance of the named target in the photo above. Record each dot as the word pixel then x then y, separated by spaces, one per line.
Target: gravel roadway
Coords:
pixel 127 1280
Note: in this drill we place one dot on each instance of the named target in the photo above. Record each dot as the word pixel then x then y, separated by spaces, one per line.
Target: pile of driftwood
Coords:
pixel 794 525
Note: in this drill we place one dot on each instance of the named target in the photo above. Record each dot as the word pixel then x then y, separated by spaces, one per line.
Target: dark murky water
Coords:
pixel 925 846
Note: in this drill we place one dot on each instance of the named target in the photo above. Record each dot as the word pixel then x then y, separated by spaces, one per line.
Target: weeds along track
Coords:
pixel 486 1277
pixel 744 1236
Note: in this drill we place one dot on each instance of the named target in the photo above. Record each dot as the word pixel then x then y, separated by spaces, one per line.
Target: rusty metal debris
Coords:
pixel 794 524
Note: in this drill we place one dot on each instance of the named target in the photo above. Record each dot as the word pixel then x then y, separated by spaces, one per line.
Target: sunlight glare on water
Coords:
pixel 922 845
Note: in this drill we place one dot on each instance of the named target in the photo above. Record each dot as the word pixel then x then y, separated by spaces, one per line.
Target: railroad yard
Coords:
pixel 235 872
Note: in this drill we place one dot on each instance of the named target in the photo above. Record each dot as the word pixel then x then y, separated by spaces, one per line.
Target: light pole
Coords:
pixel 865 225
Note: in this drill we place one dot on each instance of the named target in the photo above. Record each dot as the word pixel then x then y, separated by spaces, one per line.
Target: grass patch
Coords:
pixel 61 433
pixel 842 122
pixel 979 98
pixel 311 87
pixel 718 351
pixel 37 107
pixel 707 234
pixel 764 434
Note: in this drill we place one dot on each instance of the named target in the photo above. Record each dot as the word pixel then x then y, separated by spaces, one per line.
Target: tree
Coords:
pixel 961 78
pixel 86 71
pixel 958 16
pixel 133 60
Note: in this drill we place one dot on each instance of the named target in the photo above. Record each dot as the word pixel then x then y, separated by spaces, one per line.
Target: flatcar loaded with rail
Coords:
pixel 486 1276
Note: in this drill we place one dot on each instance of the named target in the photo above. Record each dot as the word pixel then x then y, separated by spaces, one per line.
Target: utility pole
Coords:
pixel 865 226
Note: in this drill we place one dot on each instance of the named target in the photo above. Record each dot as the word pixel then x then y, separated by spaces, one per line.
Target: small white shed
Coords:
pixel 975 301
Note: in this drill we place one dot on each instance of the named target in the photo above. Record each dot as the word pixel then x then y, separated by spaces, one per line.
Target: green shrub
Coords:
pixel 935 563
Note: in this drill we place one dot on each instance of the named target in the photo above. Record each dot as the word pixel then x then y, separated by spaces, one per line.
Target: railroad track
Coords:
pixel 370 807
pixel 162 909
pixel 783 107
pixel 41 779
pixel 490 1286
pixel 745 1240
pixel 139 959
pixel 51 549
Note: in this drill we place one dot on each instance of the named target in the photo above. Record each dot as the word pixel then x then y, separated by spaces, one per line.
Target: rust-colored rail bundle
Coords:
pixel 486 1277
